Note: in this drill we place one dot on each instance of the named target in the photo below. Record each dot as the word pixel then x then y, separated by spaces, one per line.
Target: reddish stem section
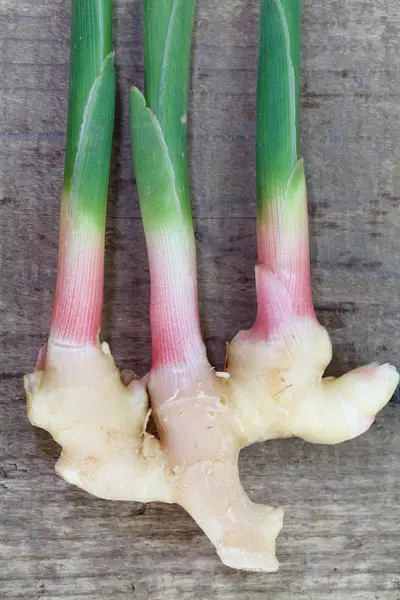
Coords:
pixel 174 316
pixel 78 301
pixel 283 277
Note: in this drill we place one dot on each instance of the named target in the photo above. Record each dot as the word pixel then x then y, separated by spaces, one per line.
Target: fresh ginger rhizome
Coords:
pixel 273 385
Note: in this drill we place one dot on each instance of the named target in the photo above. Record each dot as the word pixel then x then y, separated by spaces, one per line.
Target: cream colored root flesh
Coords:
pixel 278 389
pixel 99 423
pixel 274 389
pixel 198 433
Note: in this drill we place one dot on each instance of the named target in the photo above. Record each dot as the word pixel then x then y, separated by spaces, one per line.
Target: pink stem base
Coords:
pixel 174 317
pixel 283 277
pixel 78 301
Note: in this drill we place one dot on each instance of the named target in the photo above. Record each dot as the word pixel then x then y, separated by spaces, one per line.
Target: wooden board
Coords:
pixel 341 537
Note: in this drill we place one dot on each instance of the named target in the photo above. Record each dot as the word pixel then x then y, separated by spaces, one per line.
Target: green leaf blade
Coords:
pixel 91 40
pixel 160 203
pixel 89 182
pixel 278 96
pixel 168 28
pixel 156 23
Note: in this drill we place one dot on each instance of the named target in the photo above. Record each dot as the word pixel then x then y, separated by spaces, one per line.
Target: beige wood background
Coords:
pixel 341 538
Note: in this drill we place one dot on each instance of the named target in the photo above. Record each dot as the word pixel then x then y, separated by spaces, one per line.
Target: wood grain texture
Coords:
pixel 341 537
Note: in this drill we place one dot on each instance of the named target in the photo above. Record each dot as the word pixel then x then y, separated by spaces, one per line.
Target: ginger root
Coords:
pixel 278 387
pixel 273 390
pixel 274 383
pixel 77 395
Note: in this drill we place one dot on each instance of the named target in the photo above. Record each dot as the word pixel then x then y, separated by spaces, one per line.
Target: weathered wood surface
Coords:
pixel 341 538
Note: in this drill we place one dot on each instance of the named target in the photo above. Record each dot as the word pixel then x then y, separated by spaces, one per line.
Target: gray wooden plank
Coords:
pixel 341 536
